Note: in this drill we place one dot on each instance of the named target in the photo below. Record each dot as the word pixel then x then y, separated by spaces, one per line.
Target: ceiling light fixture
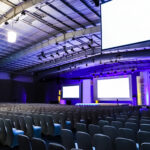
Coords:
pixel 11 36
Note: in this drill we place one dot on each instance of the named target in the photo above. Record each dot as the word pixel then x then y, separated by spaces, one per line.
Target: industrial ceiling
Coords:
pixel 55 36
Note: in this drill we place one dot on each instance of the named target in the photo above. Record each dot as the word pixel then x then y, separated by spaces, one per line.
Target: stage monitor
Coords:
pixel 125 22
pixel 71 92
pixel 118 88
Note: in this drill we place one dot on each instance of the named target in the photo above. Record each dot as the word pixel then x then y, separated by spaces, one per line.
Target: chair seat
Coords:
pixel 15 138
pixel 68 124
pixel 57 129
pixel 37 131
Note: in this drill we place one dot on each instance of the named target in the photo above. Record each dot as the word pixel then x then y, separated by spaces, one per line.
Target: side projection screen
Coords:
pixel 114 88
pixel 71 91
pixel 125 22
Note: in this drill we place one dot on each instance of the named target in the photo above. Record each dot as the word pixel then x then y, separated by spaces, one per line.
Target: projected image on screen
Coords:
pixel 71 91
pixel 116 88
pixel 125 22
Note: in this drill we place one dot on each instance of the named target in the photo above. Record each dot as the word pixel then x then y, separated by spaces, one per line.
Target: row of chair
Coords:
pixel 102 141
pixel 37 144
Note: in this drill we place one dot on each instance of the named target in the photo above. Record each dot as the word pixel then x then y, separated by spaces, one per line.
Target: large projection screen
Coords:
pixel 118 88
pixel 125 22
pixel 71 92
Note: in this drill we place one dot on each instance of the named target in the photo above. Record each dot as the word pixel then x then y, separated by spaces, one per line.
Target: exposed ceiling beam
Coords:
pixel 78 12
pixel 37 47
pixel 124 56
pixel 8 3
pixel 17 9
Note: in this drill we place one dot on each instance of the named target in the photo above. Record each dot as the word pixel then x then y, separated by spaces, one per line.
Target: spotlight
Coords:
pixel 52 56
pixel 73 38
pixel 43 54
pixel 115 72
pixel 57 53
pixel 64 47
pixel 72 49
pixel 11 36
pixel 66 52
pixel 89 45
pixel 39 58
pixel 83 48
pixel 96 2
pixel 6 23
pixel 91 41
pixel 23 12
pixel 132 70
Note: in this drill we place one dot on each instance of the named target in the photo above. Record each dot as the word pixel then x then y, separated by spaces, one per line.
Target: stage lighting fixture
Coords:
pixel 11 36
pixel 39 58
pixel 66 52
pixel 43 54
pixel 91 41
pixel 96 2
pixel 57 53
pixel 115 72
pixel 89 45
pixel 6 23
pixel 83 48
pixel 72 49
pixel 52 56
pixel 132 70
pixel 23 12
pixel 64 47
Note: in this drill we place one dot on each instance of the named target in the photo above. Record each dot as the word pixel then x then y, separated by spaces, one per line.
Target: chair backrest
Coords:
pixel 36 119
pixel 124 144
pixel 24 142
pixel 62 120
pixel 56 146
pixel 110 131
pixel 145 146
pixel 2 132
pixel 102 142
pixel 110 119
pixel 67 139
pixel 81 127
pixel 43 124
pixel 101 123
pixel 84 140
pixel 117 124
pixel 93 129
pixel 133 120
pixel 143 136
pixel 145 127
pixel 126 133
pixel 132 126
pixel 9 137
pixel 50 125
pixel 22 124
pixel 16 121
pixel 38 144
pixel 144 121
pixel 29 127
pixel 121 119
